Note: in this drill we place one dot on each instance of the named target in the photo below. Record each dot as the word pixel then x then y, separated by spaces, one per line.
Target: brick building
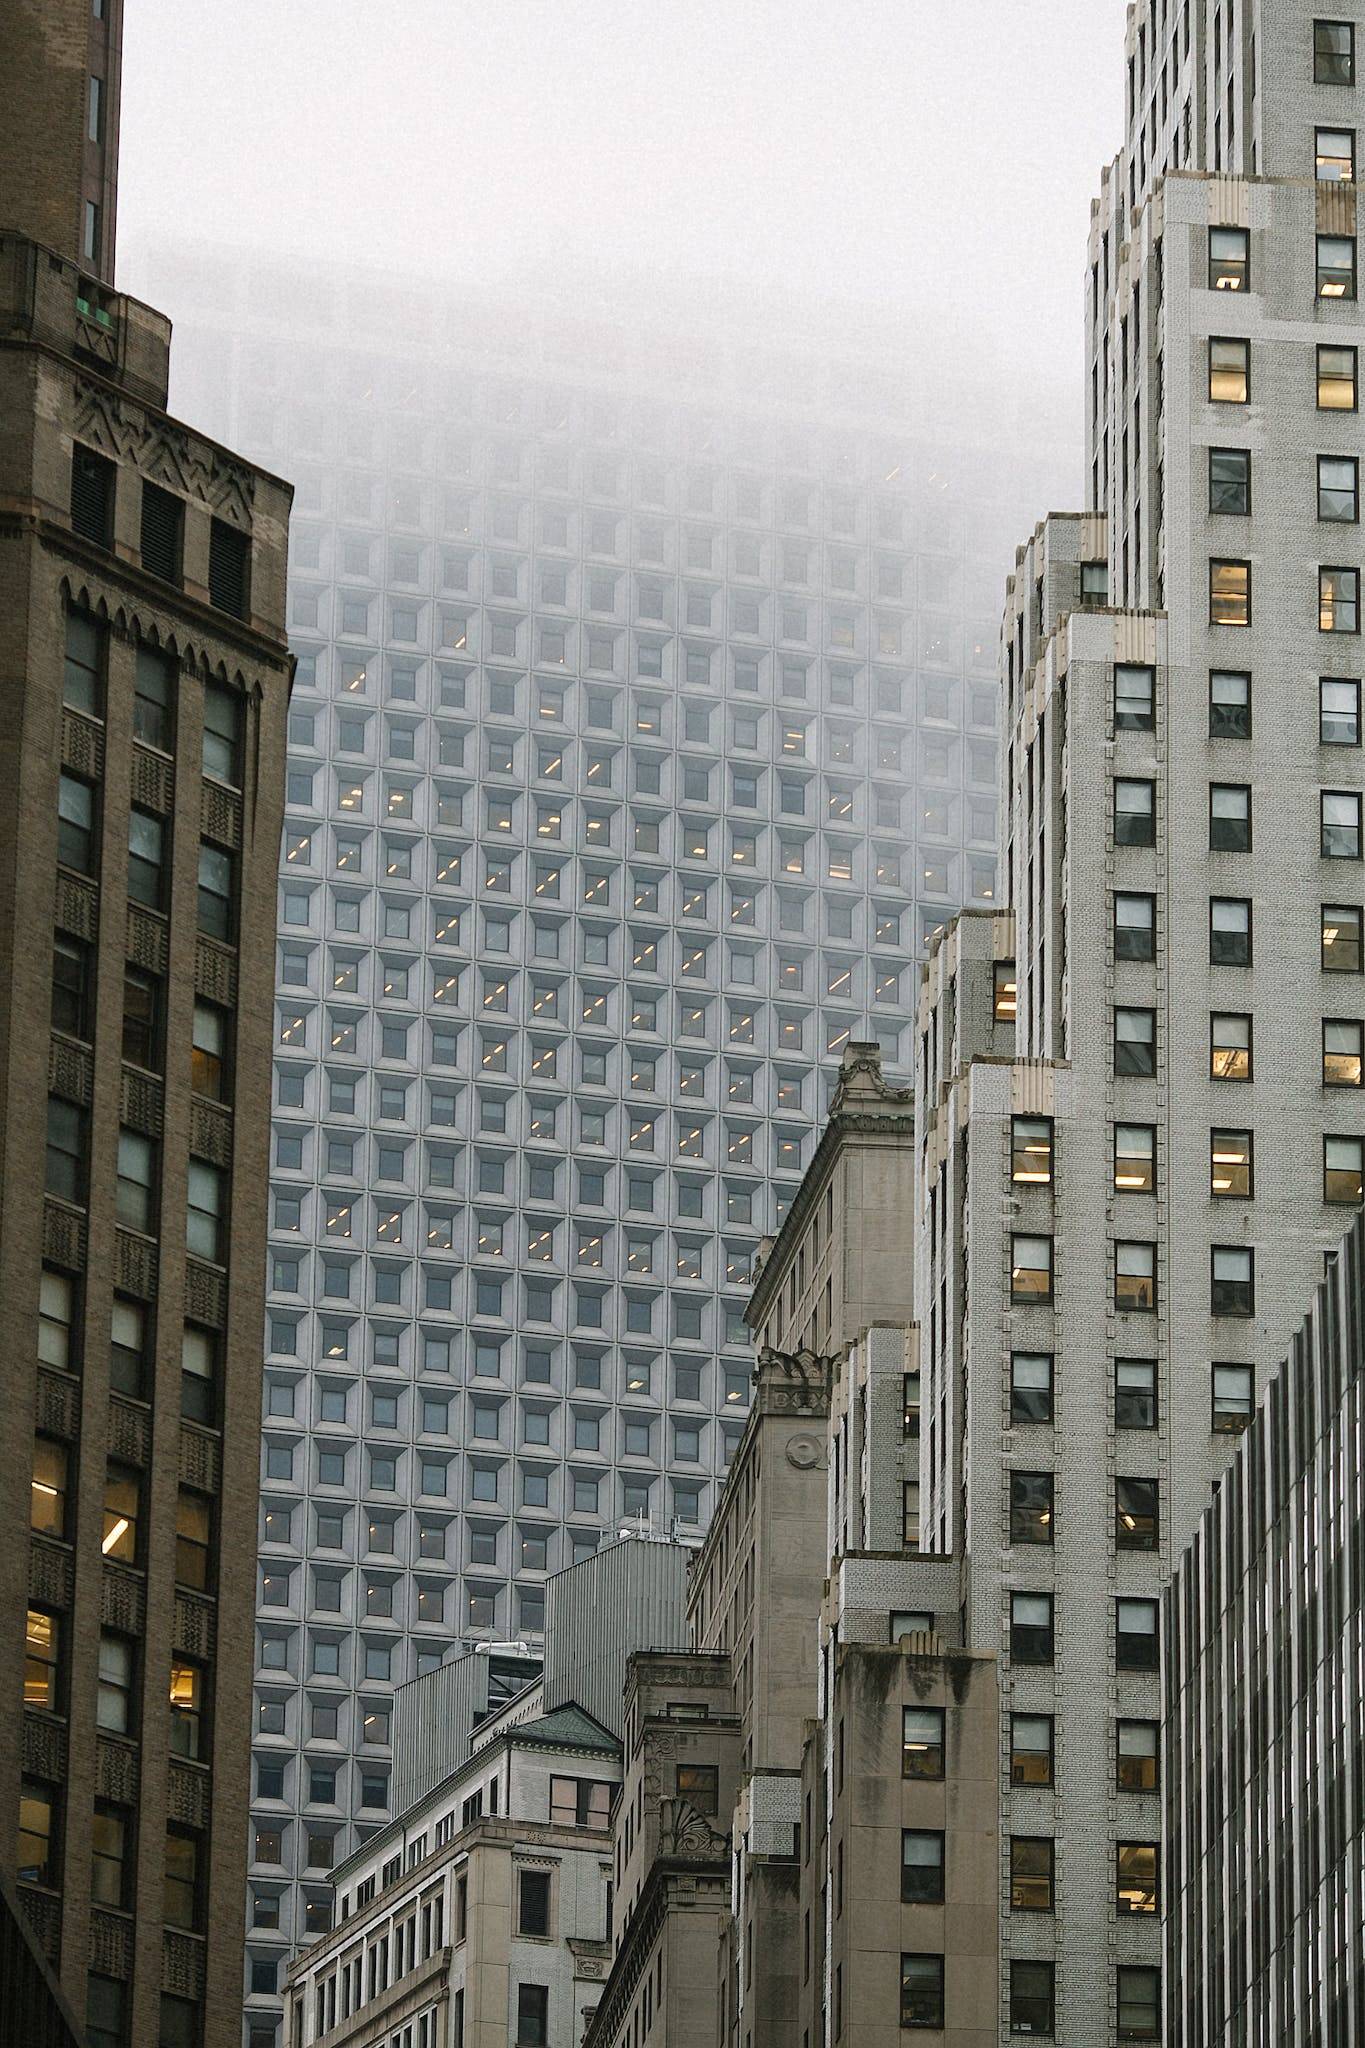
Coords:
pixel 144 679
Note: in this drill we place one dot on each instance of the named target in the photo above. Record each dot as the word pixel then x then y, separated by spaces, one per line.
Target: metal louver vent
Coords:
pixel 229 560
pixel 162 526
pixel 92 495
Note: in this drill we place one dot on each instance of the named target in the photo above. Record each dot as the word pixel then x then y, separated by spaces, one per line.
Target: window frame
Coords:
pixel 1230 342
pixel 1327 348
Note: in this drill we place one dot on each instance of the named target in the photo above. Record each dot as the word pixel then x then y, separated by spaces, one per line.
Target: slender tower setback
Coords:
pixel 1118 1230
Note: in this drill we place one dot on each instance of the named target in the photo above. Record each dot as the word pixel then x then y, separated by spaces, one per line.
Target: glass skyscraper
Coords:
pixel 644 729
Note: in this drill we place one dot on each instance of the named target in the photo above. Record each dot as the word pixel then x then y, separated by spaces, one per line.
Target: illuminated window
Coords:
pixel 1031 1269
pixel 1134 1158
pixel 1137 1751
pixel 1342 1160
pixel 1341 1052
pixel 1229 593
pixel 1229 371
pixel 42 1645
pixel 1229 1047
pixel 1230 1164
pixel 1136 1881
pixel 122 1508
pixel 1031 1149
pixel 922 1742
pixel 1336 379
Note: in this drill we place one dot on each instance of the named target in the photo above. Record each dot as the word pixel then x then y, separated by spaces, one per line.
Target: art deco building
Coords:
pixel 144 678
pixel 644 729
pixel 1119 1221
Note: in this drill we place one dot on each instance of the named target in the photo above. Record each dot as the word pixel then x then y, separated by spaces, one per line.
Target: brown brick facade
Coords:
pixel 144 683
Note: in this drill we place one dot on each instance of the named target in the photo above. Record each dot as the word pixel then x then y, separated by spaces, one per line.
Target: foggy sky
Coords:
pixel 937 157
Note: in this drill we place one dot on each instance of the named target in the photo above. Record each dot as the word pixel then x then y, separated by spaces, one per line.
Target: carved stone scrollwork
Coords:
pixel 685 1832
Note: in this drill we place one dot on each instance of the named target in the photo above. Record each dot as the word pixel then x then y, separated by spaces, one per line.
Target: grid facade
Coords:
pixel 638 743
